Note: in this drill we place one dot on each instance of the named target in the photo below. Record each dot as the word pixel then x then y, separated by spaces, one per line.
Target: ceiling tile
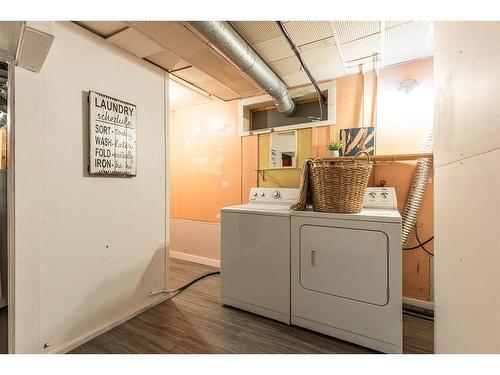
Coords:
pixel 135 42
pixel 407 42
pixel 348 31
pixel 193 75
pixel 214 64
pixel 297 79
pixel 180 41
pixel 219 68
pixel 245 88
pixel 257 31
pixel 226 94
pixel 218 89
pixel 303 32
pixel 324 63
pixel 273 49
pixel 153 28
pixel 168 60
pixel 103 28
pixel 361 48
pixel 324 43
pixel 287 66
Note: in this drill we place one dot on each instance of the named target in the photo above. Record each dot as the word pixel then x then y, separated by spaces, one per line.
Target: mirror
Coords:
pixel 283 148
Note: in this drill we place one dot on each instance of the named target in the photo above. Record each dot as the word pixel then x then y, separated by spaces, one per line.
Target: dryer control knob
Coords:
pixel 276 194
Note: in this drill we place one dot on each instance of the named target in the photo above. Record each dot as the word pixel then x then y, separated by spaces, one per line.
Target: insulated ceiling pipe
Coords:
pixel 221 36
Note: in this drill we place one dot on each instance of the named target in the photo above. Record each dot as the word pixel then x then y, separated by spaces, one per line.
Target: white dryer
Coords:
pixel 346 273
pixel 255 253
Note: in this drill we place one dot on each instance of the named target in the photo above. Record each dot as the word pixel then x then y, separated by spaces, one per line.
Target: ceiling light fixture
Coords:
pixel 408 85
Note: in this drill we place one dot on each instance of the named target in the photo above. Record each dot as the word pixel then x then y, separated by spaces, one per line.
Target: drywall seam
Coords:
pixel 467 157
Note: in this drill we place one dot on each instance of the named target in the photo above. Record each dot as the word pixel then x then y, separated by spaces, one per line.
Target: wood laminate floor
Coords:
pixel 195 322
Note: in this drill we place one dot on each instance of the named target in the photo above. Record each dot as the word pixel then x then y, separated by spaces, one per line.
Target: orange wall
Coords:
pixel 205 161
pixel 249 164
pixel 405 119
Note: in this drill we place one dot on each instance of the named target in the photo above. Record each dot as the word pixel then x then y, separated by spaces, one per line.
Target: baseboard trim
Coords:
pixel 195 259
pixel 418 303
pixel 65 348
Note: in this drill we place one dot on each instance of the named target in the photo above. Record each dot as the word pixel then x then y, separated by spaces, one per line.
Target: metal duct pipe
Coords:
pixel 416 194
pixel 221 36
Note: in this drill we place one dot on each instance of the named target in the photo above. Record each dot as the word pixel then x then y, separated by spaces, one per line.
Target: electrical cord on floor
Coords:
pixel 187 285
pixel 420 243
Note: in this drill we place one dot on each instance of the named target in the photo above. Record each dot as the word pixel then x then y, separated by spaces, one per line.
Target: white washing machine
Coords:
pixel 346 276
pixel 255 253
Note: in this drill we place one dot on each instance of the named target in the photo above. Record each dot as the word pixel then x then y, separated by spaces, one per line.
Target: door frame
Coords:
pixel 10 202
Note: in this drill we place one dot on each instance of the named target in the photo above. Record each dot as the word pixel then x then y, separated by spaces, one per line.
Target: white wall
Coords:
pixel 467 182
pixel 88 249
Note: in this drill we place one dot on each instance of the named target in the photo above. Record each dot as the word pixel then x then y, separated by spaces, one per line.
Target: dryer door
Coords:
pixel 345 262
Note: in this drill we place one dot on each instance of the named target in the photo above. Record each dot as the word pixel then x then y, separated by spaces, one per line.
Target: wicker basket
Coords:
pixel 339 186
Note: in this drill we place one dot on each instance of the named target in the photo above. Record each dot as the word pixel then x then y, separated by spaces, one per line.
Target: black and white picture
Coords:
pixel 112 136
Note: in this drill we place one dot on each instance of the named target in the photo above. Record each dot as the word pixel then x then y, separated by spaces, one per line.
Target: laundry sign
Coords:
pixel 113 125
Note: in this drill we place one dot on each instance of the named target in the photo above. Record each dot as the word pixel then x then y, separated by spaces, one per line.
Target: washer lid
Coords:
pixel 373 214
pixel 260 209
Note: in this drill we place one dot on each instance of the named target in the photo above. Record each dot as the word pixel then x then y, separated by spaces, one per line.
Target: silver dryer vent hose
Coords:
pixel 416 195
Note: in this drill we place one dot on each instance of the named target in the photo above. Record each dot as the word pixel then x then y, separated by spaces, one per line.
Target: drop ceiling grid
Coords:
pixel 103 28
pixel 207 83
pixel 296 79
pixel 389 24
pixel 323 43
pixel 348 31
pixel 246 88
pixel 193 74
pixel 257 31
pixel 153 28
pixel 168 60
pixel 304 32
pixel 361 48
pixel 324 63
pixel 404 41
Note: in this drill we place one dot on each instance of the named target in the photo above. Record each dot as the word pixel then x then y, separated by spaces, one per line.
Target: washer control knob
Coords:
pixel 263 194
pixel 276 194
pixel 255 194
